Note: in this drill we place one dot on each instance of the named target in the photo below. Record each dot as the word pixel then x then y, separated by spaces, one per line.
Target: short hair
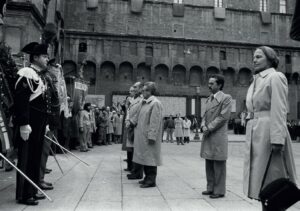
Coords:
pixel 151 86
pixel 85 107
pixel 220 80
pixel 141 84
pixel 271 55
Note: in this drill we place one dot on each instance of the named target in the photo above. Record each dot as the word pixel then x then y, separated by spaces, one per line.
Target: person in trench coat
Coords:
pixel 214 147
pixel 148 135
pixel 117 127
pixel 267 130
pixel 133 111
pixel 186 130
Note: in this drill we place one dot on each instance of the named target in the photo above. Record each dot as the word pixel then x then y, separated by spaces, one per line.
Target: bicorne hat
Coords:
pixel 35 48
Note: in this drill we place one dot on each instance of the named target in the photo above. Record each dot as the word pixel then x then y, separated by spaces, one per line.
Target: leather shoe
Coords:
pixel 39 196
pixel 215 196
pixel 142 182
pixel 127 169
pixel 48 183
pixel 207 192
pixel 132 176
pixel 31 201
pixel 43 186
pixel 47 171
pixel 146 185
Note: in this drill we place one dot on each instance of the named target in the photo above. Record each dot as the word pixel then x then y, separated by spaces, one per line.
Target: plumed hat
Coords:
pixel 35 48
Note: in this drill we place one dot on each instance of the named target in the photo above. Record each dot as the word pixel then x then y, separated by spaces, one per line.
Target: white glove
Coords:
pixel 47 129
pixel 25 131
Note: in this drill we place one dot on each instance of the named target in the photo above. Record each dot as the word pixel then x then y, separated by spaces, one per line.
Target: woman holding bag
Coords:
pixel 266 130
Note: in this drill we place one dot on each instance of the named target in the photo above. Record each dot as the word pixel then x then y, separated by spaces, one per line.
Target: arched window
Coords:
pixel 143 72
pixel 196 76
pixel 108 71
pixel 245 76
pixel 161 74
pixel 126 72
pixel 69 68
pixel 179 75
pixel 89 74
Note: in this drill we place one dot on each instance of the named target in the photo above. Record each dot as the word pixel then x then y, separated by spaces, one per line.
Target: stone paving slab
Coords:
pixel 104 185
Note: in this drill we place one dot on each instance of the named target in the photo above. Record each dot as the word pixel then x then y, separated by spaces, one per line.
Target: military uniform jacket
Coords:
pixel 30 93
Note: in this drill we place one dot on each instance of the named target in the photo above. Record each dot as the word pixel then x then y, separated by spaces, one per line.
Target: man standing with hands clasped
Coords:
pixel 214 148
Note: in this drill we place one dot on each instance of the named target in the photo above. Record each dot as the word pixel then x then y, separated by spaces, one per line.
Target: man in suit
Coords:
pixel 214 148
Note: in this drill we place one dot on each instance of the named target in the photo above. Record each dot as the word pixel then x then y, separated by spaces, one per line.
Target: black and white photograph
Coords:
pixel 149 105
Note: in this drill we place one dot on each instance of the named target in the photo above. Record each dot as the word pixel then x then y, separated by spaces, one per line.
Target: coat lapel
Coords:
pixel 211 104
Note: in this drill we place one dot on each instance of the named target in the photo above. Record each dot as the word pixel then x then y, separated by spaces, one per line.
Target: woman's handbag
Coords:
pixel 279 194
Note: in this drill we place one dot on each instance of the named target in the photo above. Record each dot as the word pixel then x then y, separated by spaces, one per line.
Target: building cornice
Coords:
pixel 27 7
pixel 154 39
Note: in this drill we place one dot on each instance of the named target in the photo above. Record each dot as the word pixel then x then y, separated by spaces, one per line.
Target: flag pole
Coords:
pixel 56 161
pixel 55 139
pixel 27 178
pixel 66 150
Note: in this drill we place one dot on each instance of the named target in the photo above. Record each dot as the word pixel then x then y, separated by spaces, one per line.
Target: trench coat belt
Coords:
pixel 259 114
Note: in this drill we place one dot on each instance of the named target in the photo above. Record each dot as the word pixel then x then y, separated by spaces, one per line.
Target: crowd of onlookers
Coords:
pixel 294 129
pixel 180 128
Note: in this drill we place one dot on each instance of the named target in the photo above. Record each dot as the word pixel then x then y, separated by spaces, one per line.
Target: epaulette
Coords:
pixel 29 73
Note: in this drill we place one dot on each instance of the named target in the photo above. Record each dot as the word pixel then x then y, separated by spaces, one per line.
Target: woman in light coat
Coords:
pixel 266 130
pixel 178 132
pixel 117 127
pixel 186 130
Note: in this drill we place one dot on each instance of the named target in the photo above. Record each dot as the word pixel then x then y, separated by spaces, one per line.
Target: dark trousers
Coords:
pixel 265 209
pixel 29 155
pixel 44 158
pixel 216 176
pixel 150 174
pixel 129 160
pixel 186 139
pixel 137 169
pixel 179 140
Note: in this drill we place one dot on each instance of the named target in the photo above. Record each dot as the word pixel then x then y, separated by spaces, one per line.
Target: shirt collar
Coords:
pixel 266 72
pixel 35 67
pixel 150 99
pixel 218 96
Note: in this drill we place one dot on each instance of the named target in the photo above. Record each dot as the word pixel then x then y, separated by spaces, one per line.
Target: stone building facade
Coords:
pixel 176 43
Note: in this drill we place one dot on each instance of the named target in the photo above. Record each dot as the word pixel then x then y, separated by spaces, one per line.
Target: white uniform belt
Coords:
pixel 259 114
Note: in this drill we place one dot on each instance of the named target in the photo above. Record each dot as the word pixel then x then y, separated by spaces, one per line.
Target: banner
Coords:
pixel 98 100
pixel 80 91
pixel 4 133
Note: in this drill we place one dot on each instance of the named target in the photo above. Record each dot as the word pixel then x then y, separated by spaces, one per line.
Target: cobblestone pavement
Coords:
pixel 104 185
